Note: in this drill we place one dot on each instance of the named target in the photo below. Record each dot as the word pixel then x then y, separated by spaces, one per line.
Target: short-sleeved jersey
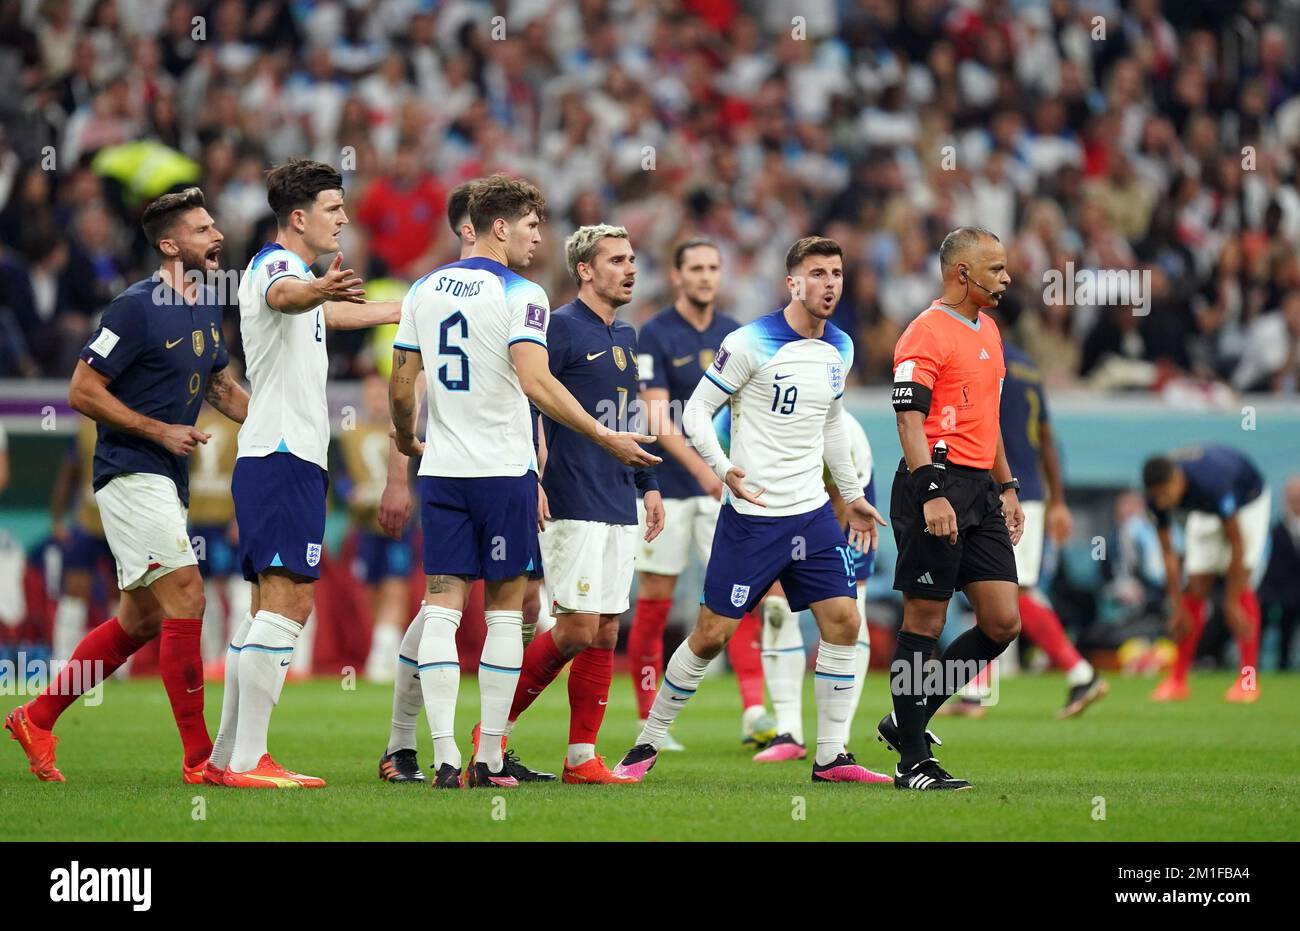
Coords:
pixel 212 467
pixel 287 365
pixel 781 386
pixel 365 460
pixel 82 451
pixel 951 370
pixel 463 318
pixel 1220 481
pixel 674 355
pixel 158 353
pixel 597 362
pixel 1024 411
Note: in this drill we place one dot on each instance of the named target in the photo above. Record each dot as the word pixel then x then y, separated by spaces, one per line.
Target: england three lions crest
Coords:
pixel 313 554
pixel 739 594
pixel 835 370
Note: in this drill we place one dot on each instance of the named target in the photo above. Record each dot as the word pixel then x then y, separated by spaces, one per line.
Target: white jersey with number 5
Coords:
pixel 462 319
pixel 287 365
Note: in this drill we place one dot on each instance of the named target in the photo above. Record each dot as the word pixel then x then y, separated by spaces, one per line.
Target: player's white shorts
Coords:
pixel 1206 546
pixel 1029 551
pixel 145 525
pixel 686 521
pixel 589 565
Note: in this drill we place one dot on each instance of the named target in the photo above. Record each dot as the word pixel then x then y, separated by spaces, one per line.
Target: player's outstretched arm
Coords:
pixel 674 442
pixel 555 401
pixel 293 295
pixel 358 315
pixel 89 395
pixel 227 396
pixel 407 365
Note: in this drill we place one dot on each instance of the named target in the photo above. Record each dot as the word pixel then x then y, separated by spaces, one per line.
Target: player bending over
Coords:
pixel 280 479
pixel 1227 524
pixel 590 537
pixel 786 373
pixel 143 376
pixel 479 330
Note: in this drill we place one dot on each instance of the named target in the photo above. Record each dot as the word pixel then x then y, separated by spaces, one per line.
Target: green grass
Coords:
pixel 1203 770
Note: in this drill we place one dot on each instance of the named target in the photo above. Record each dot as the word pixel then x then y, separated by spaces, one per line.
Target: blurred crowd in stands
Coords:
pixel 1087 134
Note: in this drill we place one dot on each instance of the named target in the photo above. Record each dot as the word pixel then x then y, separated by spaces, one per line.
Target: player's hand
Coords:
pixel 181 440
pixel 543 508
pixel 1014 514
pixel 625 447
pixel 940 519
pixel 395 508
pixel 1060 522
pixel 1180 621
pixel 736 485
pixel 341 284
pixel 232 533
pixel 864 521
pixel 654 514
pixel 408 444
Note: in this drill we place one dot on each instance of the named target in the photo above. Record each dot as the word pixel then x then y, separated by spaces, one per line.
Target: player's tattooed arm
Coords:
pixel 227 396
pixel 402 401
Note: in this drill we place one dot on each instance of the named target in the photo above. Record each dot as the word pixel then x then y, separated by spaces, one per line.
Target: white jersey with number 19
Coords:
pixel 287 365
pixel 462 319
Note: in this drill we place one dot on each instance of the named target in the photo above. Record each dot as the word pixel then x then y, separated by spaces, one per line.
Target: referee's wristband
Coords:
pixel 929 482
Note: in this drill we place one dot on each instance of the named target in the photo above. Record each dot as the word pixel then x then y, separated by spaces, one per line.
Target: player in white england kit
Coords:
pixel 479 331
pixel 280 476
pixel 783 375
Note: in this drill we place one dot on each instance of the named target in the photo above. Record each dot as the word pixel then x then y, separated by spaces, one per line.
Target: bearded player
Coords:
pixel 785 372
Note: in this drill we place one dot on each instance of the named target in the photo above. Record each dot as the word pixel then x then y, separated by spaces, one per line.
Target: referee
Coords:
pixel 955 508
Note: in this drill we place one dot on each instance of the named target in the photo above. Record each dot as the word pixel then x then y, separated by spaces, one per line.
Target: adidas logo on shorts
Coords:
pixel 926 580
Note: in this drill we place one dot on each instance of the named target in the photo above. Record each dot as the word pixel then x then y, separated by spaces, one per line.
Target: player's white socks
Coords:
pixel 69 627
pixel 834 686
pixel 384 642
pixel 498 676
pixel 682 678
pixel 439 669
pixel 407 696
pixel 224 743
pixel 784 662
pixel 213 637
pixel 1080 673
pixel 579 754
pixel 263 664
pixel 861 661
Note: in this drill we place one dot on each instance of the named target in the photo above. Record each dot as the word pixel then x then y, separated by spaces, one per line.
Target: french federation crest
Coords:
pixel 619 358
pixel 706 358
pixel 196 339
pixel 836 372
pixel 313 554
pixel 739 594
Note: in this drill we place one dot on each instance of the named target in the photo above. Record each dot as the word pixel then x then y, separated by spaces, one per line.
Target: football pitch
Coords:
pixel 1127 770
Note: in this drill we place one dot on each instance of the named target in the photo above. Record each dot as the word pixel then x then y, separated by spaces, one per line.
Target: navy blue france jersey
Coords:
pixel 675 355
pixel 1220 481
pixel 1024 411
pixel 158 353
pixel 597 363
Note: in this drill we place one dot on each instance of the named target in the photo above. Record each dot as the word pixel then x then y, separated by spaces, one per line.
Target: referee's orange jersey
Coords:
pixel 951 369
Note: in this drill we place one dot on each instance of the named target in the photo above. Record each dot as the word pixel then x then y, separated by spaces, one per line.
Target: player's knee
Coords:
pixel 1004 628
pixel 708 640
pixel 143 627
pixel 606 637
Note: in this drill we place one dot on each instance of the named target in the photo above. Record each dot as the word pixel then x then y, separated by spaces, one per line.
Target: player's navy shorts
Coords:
pixel 378 556
pixel 928 567
pixel 537 571
pixel 217 556
pixel 280 509
pixel 85 551
pixel 482 528
pixel 807 552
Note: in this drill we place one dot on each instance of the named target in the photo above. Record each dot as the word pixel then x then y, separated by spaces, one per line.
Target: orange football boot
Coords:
pixel 193 775
pixel 1239 693
pixel 594 772
pixel 268 774
pixel 36 742
pixel 213 775
pixel 1171 689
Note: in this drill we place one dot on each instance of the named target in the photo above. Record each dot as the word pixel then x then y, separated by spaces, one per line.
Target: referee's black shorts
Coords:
pixel 930 567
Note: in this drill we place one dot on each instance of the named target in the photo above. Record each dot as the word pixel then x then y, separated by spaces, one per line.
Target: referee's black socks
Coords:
pixel 907 684
pixel 963 659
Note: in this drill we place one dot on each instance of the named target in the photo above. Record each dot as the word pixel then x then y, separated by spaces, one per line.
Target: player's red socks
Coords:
pixel 1041 625
pixel 542 663
pixel 1248 647
pixel 589 679
pixel 645 650
pixel 746 659
pixel 1187 645
pixel 180 661
pixel 97 656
